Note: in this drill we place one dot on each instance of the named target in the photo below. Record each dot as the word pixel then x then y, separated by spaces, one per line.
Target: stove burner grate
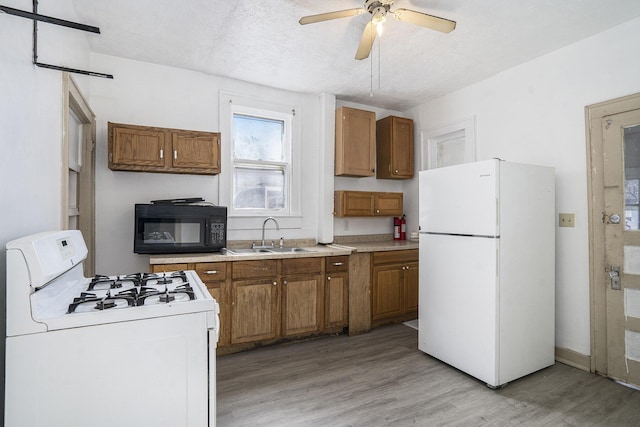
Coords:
pixel 144 286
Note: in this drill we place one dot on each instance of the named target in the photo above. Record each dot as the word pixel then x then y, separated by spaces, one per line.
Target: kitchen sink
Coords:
pixel 290 250
pixel 244 251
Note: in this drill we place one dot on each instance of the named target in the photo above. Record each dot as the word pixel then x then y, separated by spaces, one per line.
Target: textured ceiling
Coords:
pixel 262 42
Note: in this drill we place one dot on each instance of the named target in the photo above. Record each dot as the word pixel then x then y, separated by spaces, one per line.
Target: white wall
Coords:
pixel 31 128
pixel 535 113
pixel 153 95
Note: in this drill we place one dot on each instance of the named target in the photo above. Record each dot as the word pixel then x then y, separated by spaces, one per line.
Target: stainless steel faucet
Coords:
pixel 262 245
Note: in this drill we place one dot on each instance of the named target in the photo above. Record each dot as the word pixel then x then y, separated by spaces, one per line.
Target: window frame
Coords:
pixel 231 104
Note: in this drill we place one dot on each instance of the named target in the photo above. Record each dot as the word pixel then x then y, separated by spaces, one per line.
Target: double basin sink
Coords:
pixel 284 250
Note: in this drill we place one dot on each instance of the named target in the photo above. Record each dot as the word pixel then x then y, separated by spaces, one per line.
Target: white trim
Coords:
pixel 247 104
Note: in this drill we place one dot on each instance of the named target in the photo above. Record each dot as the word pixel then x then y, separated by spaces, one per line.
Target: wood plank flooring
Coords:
pixel 382 379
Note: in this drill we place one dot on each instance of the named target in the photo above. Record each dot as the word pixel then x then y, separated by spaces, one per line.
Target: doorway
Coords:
pixel 613 142
pixel 78 167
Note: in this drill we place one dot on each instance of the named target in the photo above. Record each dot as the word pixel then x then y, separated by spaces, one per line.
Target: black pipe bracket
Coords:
pixel 35 16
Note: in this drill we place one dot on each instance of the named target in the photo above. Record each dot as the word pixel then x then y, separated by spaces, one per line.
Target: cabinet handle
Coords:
pixel 275 283
pixel 338 264
pixel 396 171
pixel 175 154
pixel 284 282
pixel 161 154
pixel 328 277
pixel 211 272
pixel 377 211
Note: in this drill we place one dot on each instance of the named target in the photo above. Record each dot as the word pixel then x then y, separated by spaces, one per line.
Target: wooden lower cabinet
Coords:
pixel 254 301
pixel 337 292
pixel 254 310
pixel 263 301
pixel 214 275
pixel 387 292
pixel 302 296
pixel 394 293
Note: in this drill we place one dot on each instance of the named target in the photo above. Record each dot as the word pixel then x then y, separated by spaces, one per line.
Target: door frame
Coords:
pixel 598 280
pixel 73 100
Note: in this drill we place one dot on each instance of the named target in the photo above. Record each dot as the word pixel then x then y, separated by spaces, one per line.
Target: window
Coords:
pixel 262 145
pixel 260 162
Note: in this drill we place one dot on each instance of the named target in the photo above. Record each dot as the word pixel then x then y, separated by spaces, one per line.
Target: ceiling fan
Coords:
pixel 379 10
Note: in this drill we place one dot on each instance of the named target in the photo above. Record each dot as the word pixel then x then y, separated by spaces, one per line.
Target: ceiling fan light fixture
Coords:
pixel 379 17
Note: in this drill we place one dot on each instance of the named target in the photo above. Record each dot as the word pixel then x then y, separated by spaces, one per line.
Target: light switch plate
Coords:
pixel 567 220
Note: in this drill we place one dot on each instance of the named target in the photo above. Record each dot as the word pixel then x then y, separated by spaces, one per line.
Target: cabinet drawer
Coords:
pixel 249 269
pixel 161 268
pixel 212 271
pixel 301 266
pixel 337 263
pixel 395 257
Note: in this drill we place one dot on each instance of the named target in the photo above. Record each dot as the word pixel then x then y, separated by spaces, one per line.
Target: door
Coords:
pixel 460 199
pixel 254 310
pixel 78 171
pixel 621 136
pixel 457 308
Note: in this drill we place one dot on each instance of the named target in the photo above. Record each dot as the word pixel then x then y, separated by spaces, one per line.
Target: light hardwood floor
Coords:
pixel 382 379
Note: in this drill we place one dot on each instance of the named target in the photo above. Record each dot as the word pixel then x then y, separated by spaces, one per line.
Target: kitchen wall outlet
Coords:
pixel 567 220
pixel 345 224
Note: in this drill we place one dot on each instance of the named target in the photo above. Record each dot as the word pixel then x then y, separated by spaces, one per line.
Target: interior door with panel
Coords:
pixel 621 219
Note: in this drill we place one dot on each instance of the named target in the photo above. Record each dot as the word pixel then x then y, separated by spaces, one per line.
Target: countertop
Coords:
pixel 343 248
pixel 380 246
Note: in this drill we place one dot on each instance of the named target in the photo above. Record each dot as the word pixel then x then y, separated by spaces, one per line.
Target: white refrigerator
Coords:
pixel 487 268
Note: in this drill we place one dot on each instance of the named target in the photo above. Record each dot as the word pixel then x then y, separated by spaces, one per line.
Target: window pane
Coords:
pixel 258 188
pixel 257 138
pixel 632 176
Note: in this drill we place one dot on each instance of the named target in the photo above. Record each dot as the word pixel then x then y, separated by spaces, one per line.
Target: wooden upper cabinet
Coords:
pixel 153 149
pixel 135 147
pixel 394 148
pixel 196 150
pixel 355 142
pixel 367 203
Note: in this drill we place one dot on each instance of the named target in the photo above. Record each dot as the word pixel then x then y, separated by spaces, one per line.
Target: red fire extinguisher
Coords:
pixel 403 228
pixel 396 228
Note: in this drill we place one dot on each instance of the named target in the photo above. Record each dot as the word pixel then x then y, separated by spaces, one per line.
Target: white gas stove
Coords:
pixel 131 342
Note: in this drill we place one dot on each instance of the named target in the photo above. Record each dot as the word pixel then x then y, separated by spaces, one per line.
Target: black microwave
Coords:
pixel 168 228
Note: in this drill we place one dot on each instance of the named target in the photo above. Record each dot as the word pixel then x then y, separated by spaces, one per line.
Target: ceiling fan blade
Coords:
pixel 311 19
pixel 366 42
pixel 424 20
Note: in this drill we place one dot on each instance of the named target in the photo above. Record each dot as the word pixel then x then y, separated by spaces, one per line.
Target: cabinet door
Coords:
pixel 302 304
pixel 355 142
pixel 394 148
pixel 196 150
pixel 387 291
pixel 336 300
pixel 388 204
pixel 411 288
pixel 353 203
pixel 136 147
pixel 213 275
pixel 402 148
pixel 254 312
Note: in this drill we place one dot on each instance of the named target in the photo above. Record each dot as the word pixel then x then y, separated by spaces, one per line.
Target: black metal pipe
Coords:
pixel 74 70
pixel 49 19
